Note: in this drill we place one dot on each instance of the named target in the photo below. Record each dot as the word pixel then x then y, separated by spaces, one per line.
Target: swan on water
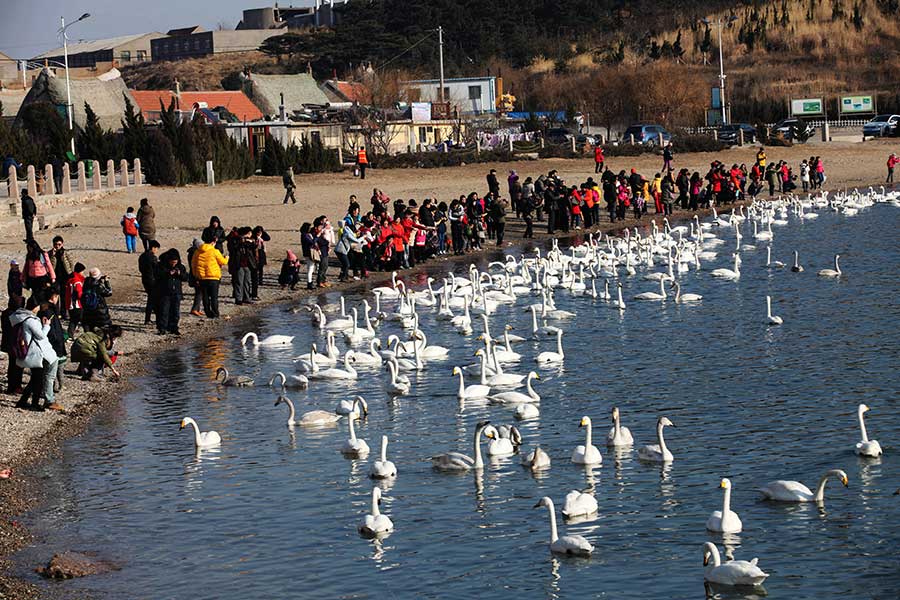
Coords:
pixel 357 408
pixel 658 452
pixel 729 274
pixel 587 454
pixel 388 292
pixel 734 572
pixel 553 357
pixel 682 298
pixel 204 439
pixel 456 461
pixel 526 411
pixel 579 504
pixel 536 460
pixel 502 443
pixel 396 386
pixel 471 391
pixel 375 523
pixel 653 296
pixel 794 491
pixel 297 382
pixel 354 447
pixel 514 397
pixel 835 272
pixel 272 340
pixel 770 264
pixel 371 358
pixel 572 545
pixel 797 267
pixel 770 318
pixel 383 468
pixel 540 332
pixel 725 520
pixel 866 447
pixel 426 351
pixel 618 303
pixel 348 372
pixel 618 435
pixel 311 418
pixel 235 381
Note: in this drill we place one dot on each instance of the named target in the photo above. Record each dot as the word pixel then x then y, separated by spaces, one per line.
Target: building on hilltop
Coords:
pixel 345 91
pixel 106 95
pixel 192 42
pixel 9 72
pixel 290 93
pixel 215 106
pixel 320 13
pixel 103 55
pixel 470 95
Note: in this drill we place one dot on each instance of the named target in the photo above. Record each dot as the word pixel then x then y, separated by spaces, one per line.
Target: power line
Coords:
pixel 383 65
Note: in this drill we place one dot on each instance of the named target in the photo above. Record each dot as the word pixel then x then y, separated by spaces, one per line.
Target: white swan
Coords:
pixel 734 572
pixel 514 397
pixel 354 447
pixel 770 264
pixel 682 298
pixel 797 267
pixel 725 520
pixel 499 378
pixel 348 372
pixel 375 523
pixel 396 386
pixel 553 357
pixel 732 275
pixel 526 411
pixel 236 381
pixel 579 504
pixel 866 447
pixel 770 318
pixel 504 441
pixel 536 460
pixel 383 468
pixel 618 304
pixel 618 435
pixel 311 418
pixel 388 292
pixel 355 335
pixel 653 296
pixel 356 408
pixel 573 545
pixel 205 439
pixel 463 322
pixel 505 352
pixel 472 391
pixel 586 454
pixel 297 382
pixel 835 272
pixel 426 351
pixel 456 461
pixel 540 332
pixel 658 452
pixel 371 358
pixel 794 491
pixel 272 340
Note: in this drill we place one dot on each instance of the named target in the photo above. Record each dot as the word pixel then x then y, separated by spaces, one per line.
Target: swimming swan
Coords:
pixel 383 468
pixel 536 460
pixel 396 386
pixel 731 275
pixel 205 439
pixel 770 318
pixel 502 443
pixel 519 397
pixel 311 418
pixel 734 572
pixel 835 272
pixel 297 382
pixel 797 267
pixel 553 357
pixel 472 391
pixel 375 523
pixel 356 408
pixel 866 447
pixel 348 372
pixel 272 340
pixel 658 452
pixel 586 454
pixel 682 298
pixel 354 447
pixel 618 435
pixel 526 411
pixel 725 520
pixel 456 461
pixel 236 381
pixel 579 504
pixel 794 491
pixel 653 296
pixel 572 545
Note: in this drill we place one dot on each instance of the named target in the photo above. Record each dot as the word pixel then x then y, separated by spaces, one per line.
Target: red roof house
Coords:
pixel 236 103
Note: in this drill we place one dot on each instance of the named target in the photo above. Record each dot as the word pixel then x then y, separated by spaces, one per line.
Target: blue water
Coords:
pixel 273 513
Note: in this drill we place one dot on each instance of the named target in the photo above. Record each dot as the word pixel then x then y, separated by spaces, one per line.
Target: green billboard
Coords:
pixel 851 105
pixel 807 107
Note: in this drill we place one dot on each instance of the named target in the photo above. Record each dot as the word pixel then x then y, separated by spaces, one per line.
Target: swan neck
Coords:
pixel 554 535
pixel 559 347
pixel 384 443
pixel 716 560
pixel 530 389
pixel 479 462
pixel 862 427
pixel 587 436
pixel 462 387
pixel 726 502
pixel 661 440
pixel 352 430
pixel 196 433
pixel 375 511
pixel 292 414
pixel 820 490
pixel 617 426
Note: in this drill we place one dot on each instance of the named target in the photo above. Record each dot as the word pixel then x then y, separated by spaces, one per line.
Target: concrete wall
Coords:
pixel 459 93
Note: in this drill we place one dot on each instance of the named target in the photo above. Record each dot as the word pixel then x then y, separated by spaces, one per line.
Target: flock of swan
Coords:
pixel 530 284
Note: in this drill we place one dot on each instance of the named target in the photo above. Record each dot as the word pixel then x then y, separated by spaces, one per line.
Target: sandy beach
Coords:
pixel 93 236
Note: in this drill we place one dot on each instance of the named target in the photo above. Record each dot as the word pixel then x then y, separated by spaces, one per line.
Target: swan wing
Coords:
pixel 572 544
pixel 737 572
pixel 787 491
pixel 452 461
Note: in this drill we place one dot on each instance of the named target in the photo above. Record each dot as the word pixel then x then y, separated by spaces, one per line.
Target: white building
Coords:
pixel 472 95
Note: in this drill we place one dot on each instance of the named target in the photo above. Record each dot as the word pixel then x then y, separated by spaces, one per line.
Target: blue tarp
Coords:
pixel 559 117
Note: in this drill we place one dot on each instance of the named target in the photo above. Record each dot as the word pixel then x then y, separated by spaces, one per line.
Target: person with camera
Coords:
pixel 36 354
pixel 170 275
pixel 94 292
pixel 241 261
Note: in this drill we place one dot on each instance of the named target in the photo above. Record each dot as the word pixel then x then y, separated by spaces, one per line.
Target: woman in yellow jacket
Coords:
pixel 656 190
pixel 206 266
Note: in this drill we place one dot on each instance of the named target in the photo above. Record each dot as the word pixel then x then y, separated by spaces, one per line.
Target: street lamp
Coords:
pixel 719 22
pixel 62 32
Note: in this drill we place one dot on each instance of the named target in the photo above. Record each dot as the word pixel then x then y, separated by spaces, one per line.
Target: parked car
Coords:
pixel 881 126
pixel 561 135
pixel 792 128
pixel 646 134
pixel 729 134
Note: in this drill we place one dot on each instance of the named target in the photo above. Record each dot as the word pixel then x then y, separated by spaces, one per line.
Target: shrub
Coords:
pixel 696 143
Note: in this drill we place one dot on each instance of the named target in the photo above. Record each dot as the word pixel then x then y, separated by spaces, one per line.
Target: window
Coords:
pixel 423 134
pixel 126 56
pixel 141 55
pixel 446 94
pixel 474 92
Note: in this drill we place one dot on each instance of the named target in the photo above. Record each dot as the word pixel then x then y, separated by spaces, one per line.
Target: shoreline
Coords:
pixel 140 345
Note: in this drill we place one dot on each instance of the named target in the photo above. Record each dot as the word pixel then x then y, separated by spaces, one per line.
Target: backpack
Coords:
pixel 90 299
pixel 20 344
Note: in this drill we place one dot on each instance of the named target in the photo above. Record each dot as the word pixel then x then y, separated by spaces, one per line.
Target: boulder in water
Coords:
pixel 69 565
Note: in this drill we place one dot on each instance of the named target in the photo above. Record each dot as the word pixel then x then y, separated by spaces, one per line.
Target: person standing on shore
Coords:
pixel 29 211
pixel 493 183
pixel 37 274
pixel 74 289
pixel 168 280
pixel 260 237
pixel 197 306
pixel 598 158
pixel 206 266
pixel 241 261
pixel 216 233
pixel 7 342
pixel 668 157
pixel 362 162
pixel 61 262
pixel 14 286
pixel 130 228
pixel 309 251
pixel 761 158
pixel 289 185
pixel 322 245
pixel 37 355
pixel 95 311
pixel 146 218
pixel 891 163
pixel 147 263
pixel 498 216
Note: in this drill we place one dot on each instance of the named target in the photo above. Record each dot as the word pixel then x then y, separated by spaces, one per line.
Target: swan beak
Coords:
pixel 845 482
pixel 536 376
pixel 182 425
pixel 480 337
pixel 723 484
pixel 705 559
pixel 538 505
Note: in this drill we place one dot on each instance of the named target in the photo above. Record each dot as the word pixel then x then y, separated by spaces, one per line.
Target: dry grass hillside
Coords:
pixel 207 73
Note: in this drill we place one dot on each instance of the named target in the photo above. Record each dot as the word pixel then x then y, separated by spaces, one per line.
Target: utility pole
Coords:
pixel 62 31
pixel 441 56
pixel 722 77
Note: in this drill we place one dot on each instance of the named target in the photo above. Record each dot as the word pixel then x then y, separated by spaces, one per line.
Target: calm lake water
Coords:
pixel 274 514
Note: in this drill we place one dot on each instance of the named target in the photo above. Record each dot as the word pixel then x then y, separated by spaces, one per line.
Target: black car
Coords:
pixel 730 134
pixel 794 129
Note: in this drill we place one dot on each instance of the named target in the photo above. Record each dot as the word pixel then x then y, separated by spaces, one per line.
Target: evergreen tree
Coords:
pixel 133 133
pixel 93 143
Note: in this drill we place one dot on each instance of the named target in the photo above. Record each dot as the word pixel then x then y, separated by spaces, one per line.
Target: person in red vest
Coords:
pixel 362 162
pixel 891 163
pixel 598 159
